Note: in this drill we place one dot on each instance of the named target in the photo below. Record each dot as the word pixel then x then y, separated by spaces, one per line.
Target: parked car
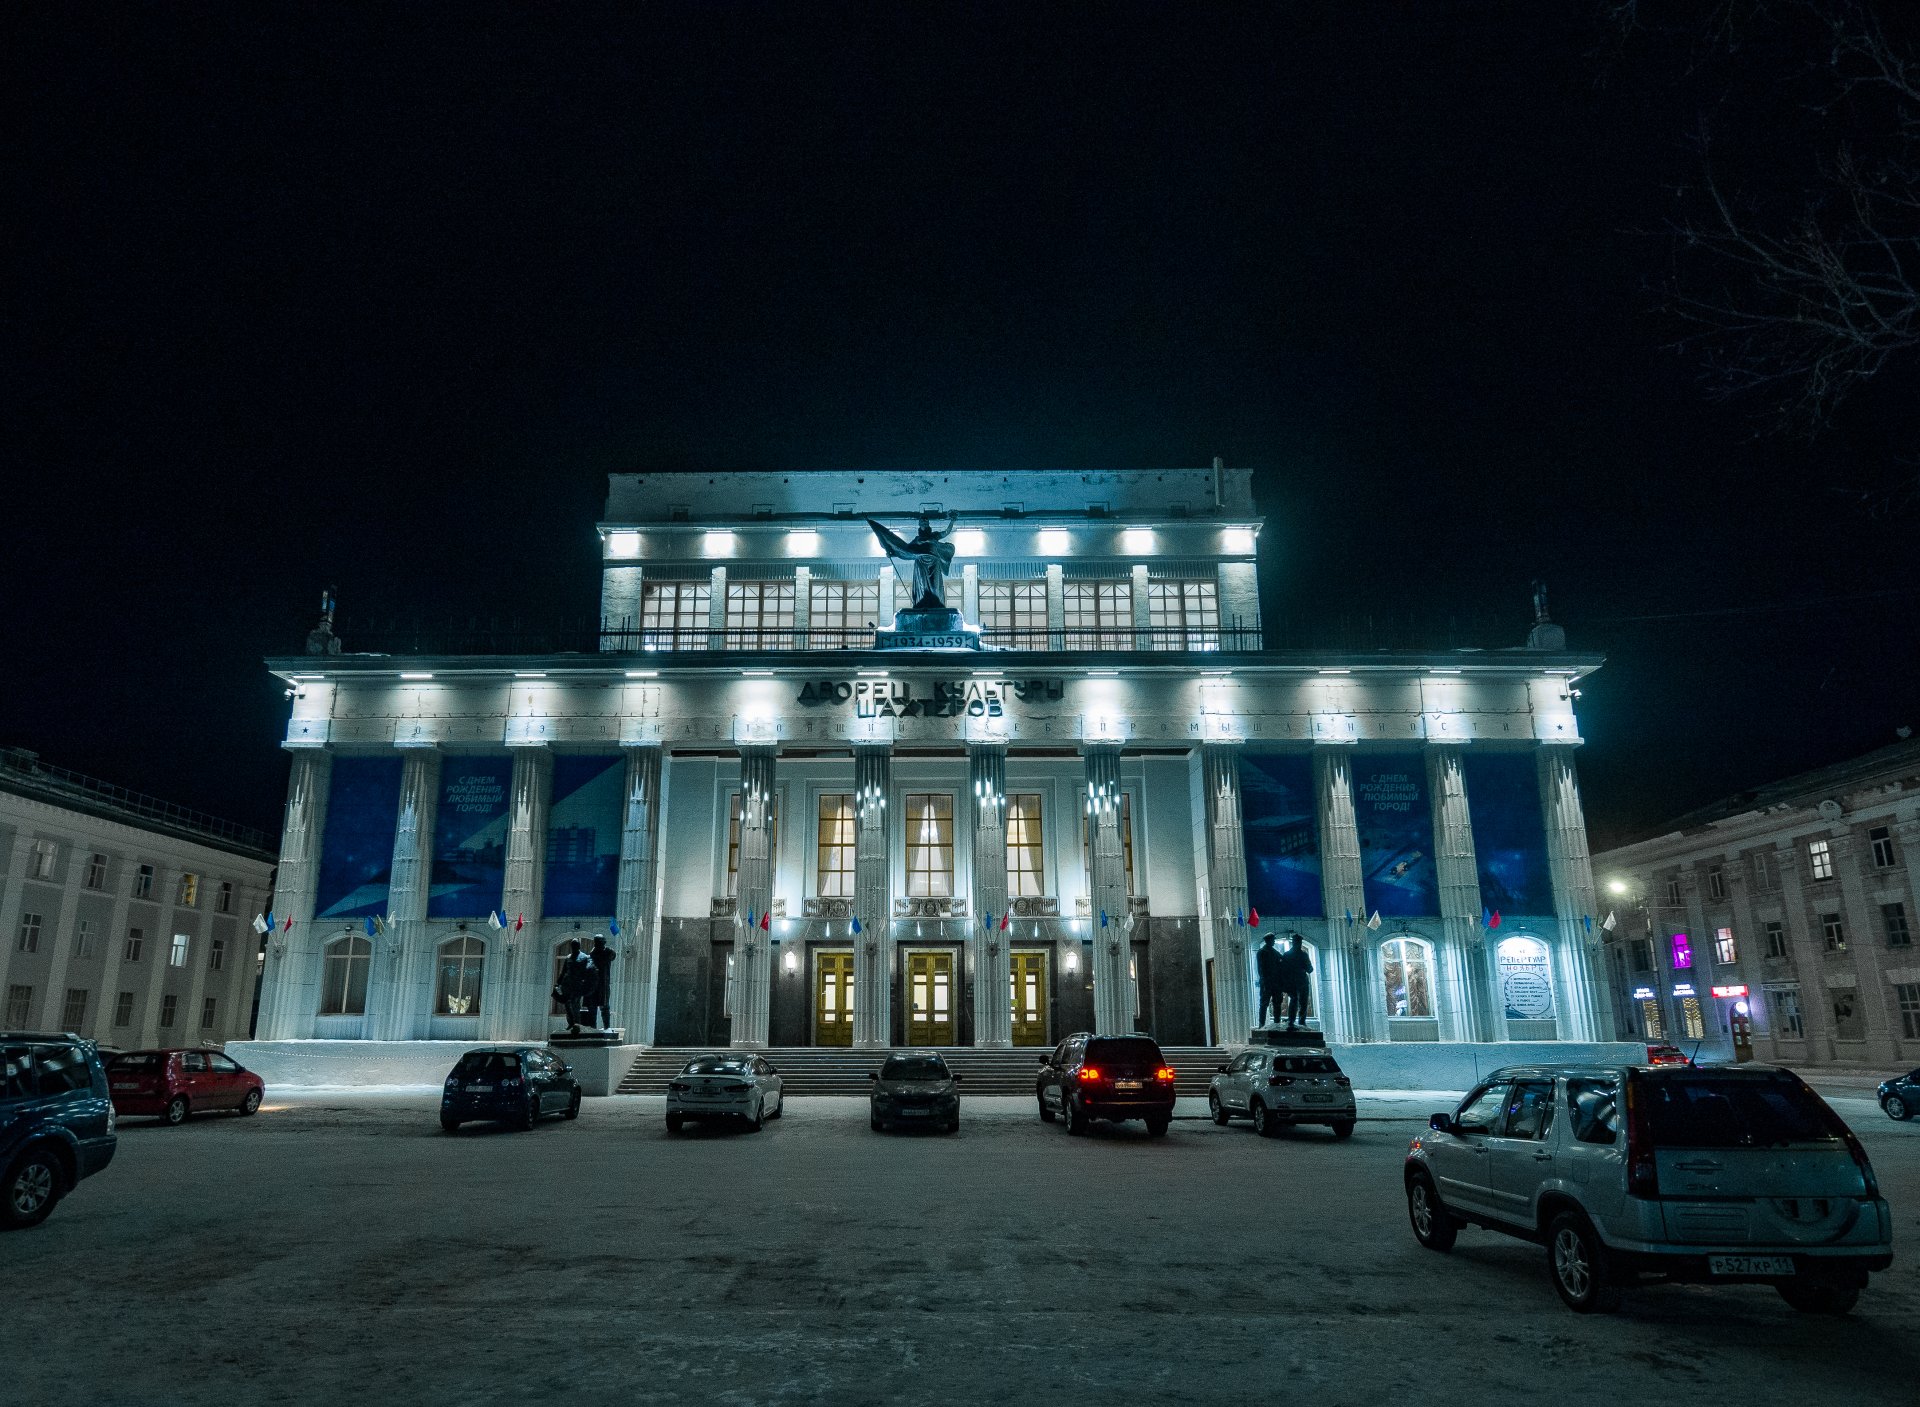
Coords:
pixel 915 1089
pixel 56 1122
pixel 175 1083
pixel 1275 1088
pixel 1661 1053
pixel 512 1084
pixel 1724 1174
pixel 725 1086
pixel 1900 1096
pixel 1106 1077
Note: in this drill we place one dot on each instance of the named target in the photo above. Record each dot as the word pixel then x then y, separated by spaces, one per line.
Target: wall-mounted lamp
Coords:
pixel 791 962
pixel 1073 960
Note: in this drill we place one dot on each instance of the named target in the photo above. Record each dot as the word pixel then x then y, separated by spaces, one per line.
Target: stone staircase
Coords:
pixel 837 1070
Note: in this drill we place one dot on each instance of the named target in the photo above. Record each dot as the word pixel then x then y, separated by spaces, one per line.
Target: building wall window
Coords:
pixel 1833 932
pixel 1026 848
pixel 169 1009
pixel 1724 948
pixel 1682 952
pixel 143 882
pixel 83 939
pixel 223 897
pixel 1766 877
pixel 1406 970
pixel 1776 932
pixel 45 854
pixel 343 984
pixel 1907 994
pixel 209 1006
pixel 1848 1024
pixel 187 892
pixel 929 845
pixel 760 615
pixel 1126 839
pixel 1716 883
pixel 1642 950
pixel 19 1005
pixel 1184 615
pixel 461 962
pixel 135 941
pixel 1785 1003
pixel 123 1009
pixel 834 848
pixel 1881 838
pixel 1820 857
pixel 73 1015
pixel 1014 606
pixel 1651 1024
pixel 177 954
pixel 1099 615
pixel 733 838
pixel 673 615
pixel 29 941
pixel 841 614
pixel 97 871
pixel 217 957
pixel 1893 922
pixel 1692 1024
pixel 1673 892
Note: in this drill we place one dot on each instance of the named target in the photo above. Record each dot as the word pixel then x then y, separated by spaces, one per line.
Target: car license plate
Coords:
pixel 122 1085
pixel 915 1113
pixel 1750 1265
pixel 1319 1099
pixel 1126 1084
pixel 479 1089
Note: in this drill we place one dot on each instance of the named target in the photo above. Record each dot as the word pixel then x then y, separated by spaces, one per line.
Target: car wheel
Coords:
pixel 573 1106
pixel 1157 1127
pixel 1072 1119
pixel 1581 1269
pixel 176 1111
pixel 33 1185
pixel 674 1121
pixel 1433 1226
pixel 1046 1114
pixel 1343 1129
pixel 953 1124
pixel 779 1106
pixel 1264 1123
pixel 449 1123
pixel 251 1104
pixel 1896 1108
pixel 1217 1110
pixel 1819 1294
pixel 530 1115
pixel 874 1122
pixel 757 1117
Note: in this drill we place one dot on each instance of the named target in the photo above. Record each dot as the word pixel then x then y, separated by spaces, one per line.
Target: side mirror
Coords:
pixel 1221 1068
pixel 565 1068
pixel 1044 1061
pixel 873 1074
pixel 1441 1123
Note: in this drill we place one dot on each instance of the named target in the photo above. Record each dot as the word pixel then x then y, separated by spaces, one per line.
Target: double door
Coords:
pixel 833 996
pixel 930 996
pixel 1029 995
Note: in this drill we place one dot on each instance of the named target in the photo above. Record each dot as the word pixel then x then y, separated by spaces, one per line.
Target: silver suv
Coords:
pixel 1276 1088
pixel 1723 1174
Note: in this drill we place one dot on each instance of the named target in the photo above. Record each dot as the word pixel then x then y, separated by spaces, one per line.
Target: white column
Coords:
pixel 970 595
pixel 717 609
pixel 873 904
pixel 519 978
pixel 1107 893
pixel 752 961
pixel 638 906
pixel 1142 611
pixel 992 965
pixel 290 984
pixel 1469 1012
pixel 1583 970
pixel 802 608
pixel 1349 979
pixel 1056 606
pixel 399 987
pixel 1221 854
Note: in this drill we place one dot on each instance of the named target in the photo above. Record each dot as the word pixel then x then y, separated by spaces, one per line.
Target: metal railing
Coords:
pixel 24 769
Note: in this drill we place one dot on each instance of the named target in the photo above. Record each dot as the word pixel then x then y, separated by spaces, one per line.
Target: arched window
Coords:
pixel 343 985
pixel 1526 981
pixel 461 962
pixel 1406 968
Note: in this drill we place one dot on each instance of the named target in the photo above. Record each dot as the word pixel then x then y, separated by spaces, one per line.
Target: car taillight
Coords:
pixel 1165 1072
pixel 1343 1082
pixel 1643 1173
pixel 510 1084
pixel 679 1088
pixel 1279 1079
pixel 1089 1075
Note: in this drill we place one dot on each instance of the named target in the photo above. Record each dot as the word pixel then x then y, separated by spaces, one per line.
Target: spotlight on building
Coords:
pixel 1616 886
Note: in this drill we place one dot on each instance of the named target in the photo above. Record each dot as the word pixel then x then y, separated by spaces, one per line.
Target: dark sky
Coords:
pixel 377 297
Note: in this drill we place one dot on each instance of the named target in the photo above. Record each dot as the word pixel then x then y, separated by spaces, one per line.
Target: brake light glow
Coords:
pixel 1089 1075
pixel 1165 1072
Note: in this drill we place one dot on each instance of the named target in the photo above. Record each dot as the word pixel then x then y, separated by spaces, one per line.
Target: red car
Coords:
pixel 176 1083
pixel 1663 1054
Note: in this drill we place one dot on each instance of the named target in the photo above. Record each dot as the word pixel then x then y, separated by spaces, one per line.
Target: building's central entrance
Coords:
pixel 929 997
pixel 1029 996
pixel 833 997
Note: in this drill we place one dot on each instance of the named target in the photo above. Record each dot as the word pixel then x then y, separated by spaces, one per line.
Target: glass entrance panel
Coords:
pixel 930 997
pixel 1029 980
pixel 833 997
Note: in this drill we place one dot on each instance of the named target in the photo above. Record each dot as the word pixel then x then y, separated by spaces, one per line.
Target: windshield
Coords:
pixel 1704 1110
pixel 1125 1050
pixel 1306 1064
pixel 915 1067
pixel 144 1060
pixel 487 1064
pixel 715 1065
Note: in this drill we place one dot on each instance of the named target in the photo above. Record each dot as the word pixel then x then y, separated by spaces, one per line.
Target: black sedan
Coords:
pixel 514 1084
pixel 917 1091
pixel 1900 1096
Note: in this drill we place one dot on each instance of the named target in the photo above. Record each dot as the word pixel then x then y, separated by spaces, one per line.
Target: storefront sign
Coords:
pixel 1683 989
pixel 1739 990
pixel 896 698
pixel 1643 994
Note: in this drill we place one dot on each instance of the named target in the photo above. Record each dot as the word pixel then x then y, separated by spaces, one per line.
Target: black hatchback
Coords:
pixel 1106 1077
pixel 514 1084
pixel 56 1122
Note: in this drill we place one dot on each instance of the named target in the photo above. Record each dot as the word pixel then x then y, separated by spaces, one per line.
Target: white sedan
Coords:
pixel 726 1086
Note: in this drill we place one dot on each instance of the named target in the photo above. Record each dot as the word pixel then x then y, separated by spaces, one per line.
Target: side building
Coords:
pixel 1778 922
pixel 126 919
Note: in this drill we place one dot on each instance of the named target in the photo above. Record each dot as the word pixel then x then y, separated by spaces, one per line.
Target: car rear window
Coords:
pixel 1707 1110
pixel 1123 1050
pixel 139 1060
pixel 1306 1064
pixel 715 1065
pixel 914 1067
pixel 484 1063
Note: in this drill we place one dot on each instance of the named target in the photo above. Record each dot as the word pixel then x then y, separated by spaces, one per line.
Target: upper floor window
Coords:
pixel 842 614
pixel 1820 856
pixel 1716 883
pixel 1026 852
pixel 1184 615
pixel 1406 968
pixel 343 983
pixel 1682 952
pixel 929 845
pixel 1673 891
pixel 1765 875
pixel 1099 615
pixel 177 956
pixel 217 958
pixel 29 933
pixel 1833 933
pixel 1724 948
pixel 1126 839
pixel 1642 950
pixel 760 615
pixel 1018 607
pixel 45 853
pixel 223 898
pixel 83 938
pixel 187 893
pixel 673 615
pixel 733 837
pixel 834 850
pixel 1776 935
pixel 1893 918
pixel 97 871
pixel 143 882
pixel 1882 841
pixel 135 941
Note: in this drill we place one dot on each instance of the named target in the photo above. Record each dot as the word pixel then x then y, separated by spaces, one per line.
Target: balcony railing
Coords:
pixel 25 771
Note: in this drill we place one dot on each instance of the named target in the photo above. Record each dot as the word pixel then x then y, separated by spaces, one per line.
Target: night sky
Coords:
pixel 298 295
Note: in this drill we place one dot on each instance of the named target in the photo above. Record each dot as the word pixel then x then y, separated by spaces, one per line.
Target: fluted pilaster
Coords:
pixel 400 985
pixel 1108 920
pixel 517 1002
pixel 1469 986
pixel 639 903
pixel 873 898
pixel 992 968
pixel 1350 971
pixel 752 950
pixel 1581 963
pixel 1225 859
pixel 290 982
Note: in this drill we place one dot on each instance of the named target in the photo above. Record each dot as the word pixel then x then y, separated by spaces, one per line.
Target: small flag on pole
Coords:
pixel 1608 926
pixel 519 923
pixel 286 924
pixel 1349 918
pixel 766 921
pixel 613 925
pixel 1006 920
pixel 1374 922
pixel 1239 918
pixel 1253 918
pixel 855 925
pixel 1486 917
pixel 1586 921
pixel 1496 919
pixel 260 925
pixel 272 922
pixel 383 924
pixel 1103 918
pixel 752 919
pixel 371 930
pixel 494 921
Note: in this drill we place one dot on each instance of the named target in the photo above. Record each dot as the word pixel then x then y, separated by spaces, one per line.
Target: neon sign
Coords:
pixel 1738 990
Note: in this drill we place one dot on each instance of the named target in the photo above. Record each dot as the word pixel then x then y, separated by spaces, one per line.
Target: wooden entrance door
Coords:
pixel 1029 996
pixel 930 996
pixel 833 997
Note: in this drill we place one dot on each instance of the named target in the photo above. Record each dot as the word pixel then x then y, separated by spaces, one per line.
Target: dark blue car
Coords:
pixel 1900 1096
pixel 56 1122
pixel 512 1084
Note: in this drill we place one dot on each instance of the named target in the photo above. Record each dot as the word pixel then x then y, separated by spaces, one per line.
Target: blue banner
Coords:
pixel 1509 833
pixel 470 837
pixel 583 836
pixel 1395 818
pixel 356 852
pixel 1280 818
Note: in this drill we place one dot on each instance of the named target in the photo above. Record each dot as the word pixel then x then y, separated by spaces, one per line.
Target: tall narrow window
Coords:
pixel 733 838
pixel 842 614
pixel 673 615
pixel 1099 615
pixel 1893 920
pixel 29 933
pixel 343 986
pixel 1724 948
pixel 461 961
pixel 929 845
pixel 83 939
pixel 1785 1002
pixel 1013 614
pixel 135 941
pixel 123 1009
pixel 1026 849
pixel 1673 891
pixel 217 958
pixel 1716 883
pixel 1184 615
pixel 223 898
pixel 208 1007
pixel 1907 994
pixel 177 956
pixel 19 1005
pixel 1882 840
pixel 760 615
pixel 143 882
pixel 1765 875
pixel 1776 934
pixel 1126 839
pixel 187 893
pixel 835 847
pixel 45 853
pixel 73 1015
pixel 97 872
pixel 1406 967
pixel 1833 933
pixel 1820 857
pixel 169 1008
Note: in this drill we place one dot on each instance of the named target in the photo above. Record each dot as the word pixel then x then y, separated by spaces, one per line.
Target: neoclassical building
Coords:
pixel 818 815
